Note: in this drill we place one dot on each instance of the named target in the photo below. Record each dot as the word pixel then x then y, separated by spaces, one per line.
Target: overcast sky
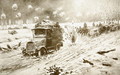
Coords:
pixel 64 8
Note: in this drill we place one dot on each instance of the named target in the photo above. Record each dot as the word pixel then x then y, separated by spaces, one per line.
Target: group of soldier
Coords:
pixel 98 29
pixel 95 30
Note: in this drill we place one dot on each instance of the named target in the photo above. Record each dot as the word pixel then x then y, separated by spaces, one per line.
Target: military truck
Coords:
pixel 46 36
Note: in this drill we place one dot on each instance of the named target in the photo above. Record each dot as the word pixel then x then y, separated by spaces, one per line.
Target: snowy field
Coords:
pixel 71 57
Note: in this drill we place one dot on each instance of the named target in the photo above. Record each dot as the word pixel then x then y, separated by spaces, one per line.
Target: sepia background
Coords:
pixel 90 35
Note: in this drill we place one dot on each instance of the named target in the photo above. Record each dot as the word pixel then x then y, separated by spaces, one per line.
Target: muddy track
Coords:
pixel 70 58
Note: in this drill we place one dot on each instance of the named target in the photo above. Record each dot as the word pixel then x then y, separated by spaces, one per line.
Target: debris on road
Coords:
pixel 106 64
pixel 115 58
pixel 103 52
pixel 54 70
pixel 9 47
pixel 12 32
pixel 86 61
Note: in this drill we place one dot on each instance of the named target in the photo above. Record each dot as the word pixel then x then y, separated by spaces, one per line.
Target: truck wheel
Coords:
pixel 57 47
pixel 61 43
pixel 24 52
pixel 39 53
pixel 43 51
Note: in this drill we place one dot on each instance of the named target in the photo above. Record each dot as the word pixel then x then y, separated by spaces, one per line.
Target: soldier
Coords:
pixel 85 25
pixel 93 24
pixel 57 25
